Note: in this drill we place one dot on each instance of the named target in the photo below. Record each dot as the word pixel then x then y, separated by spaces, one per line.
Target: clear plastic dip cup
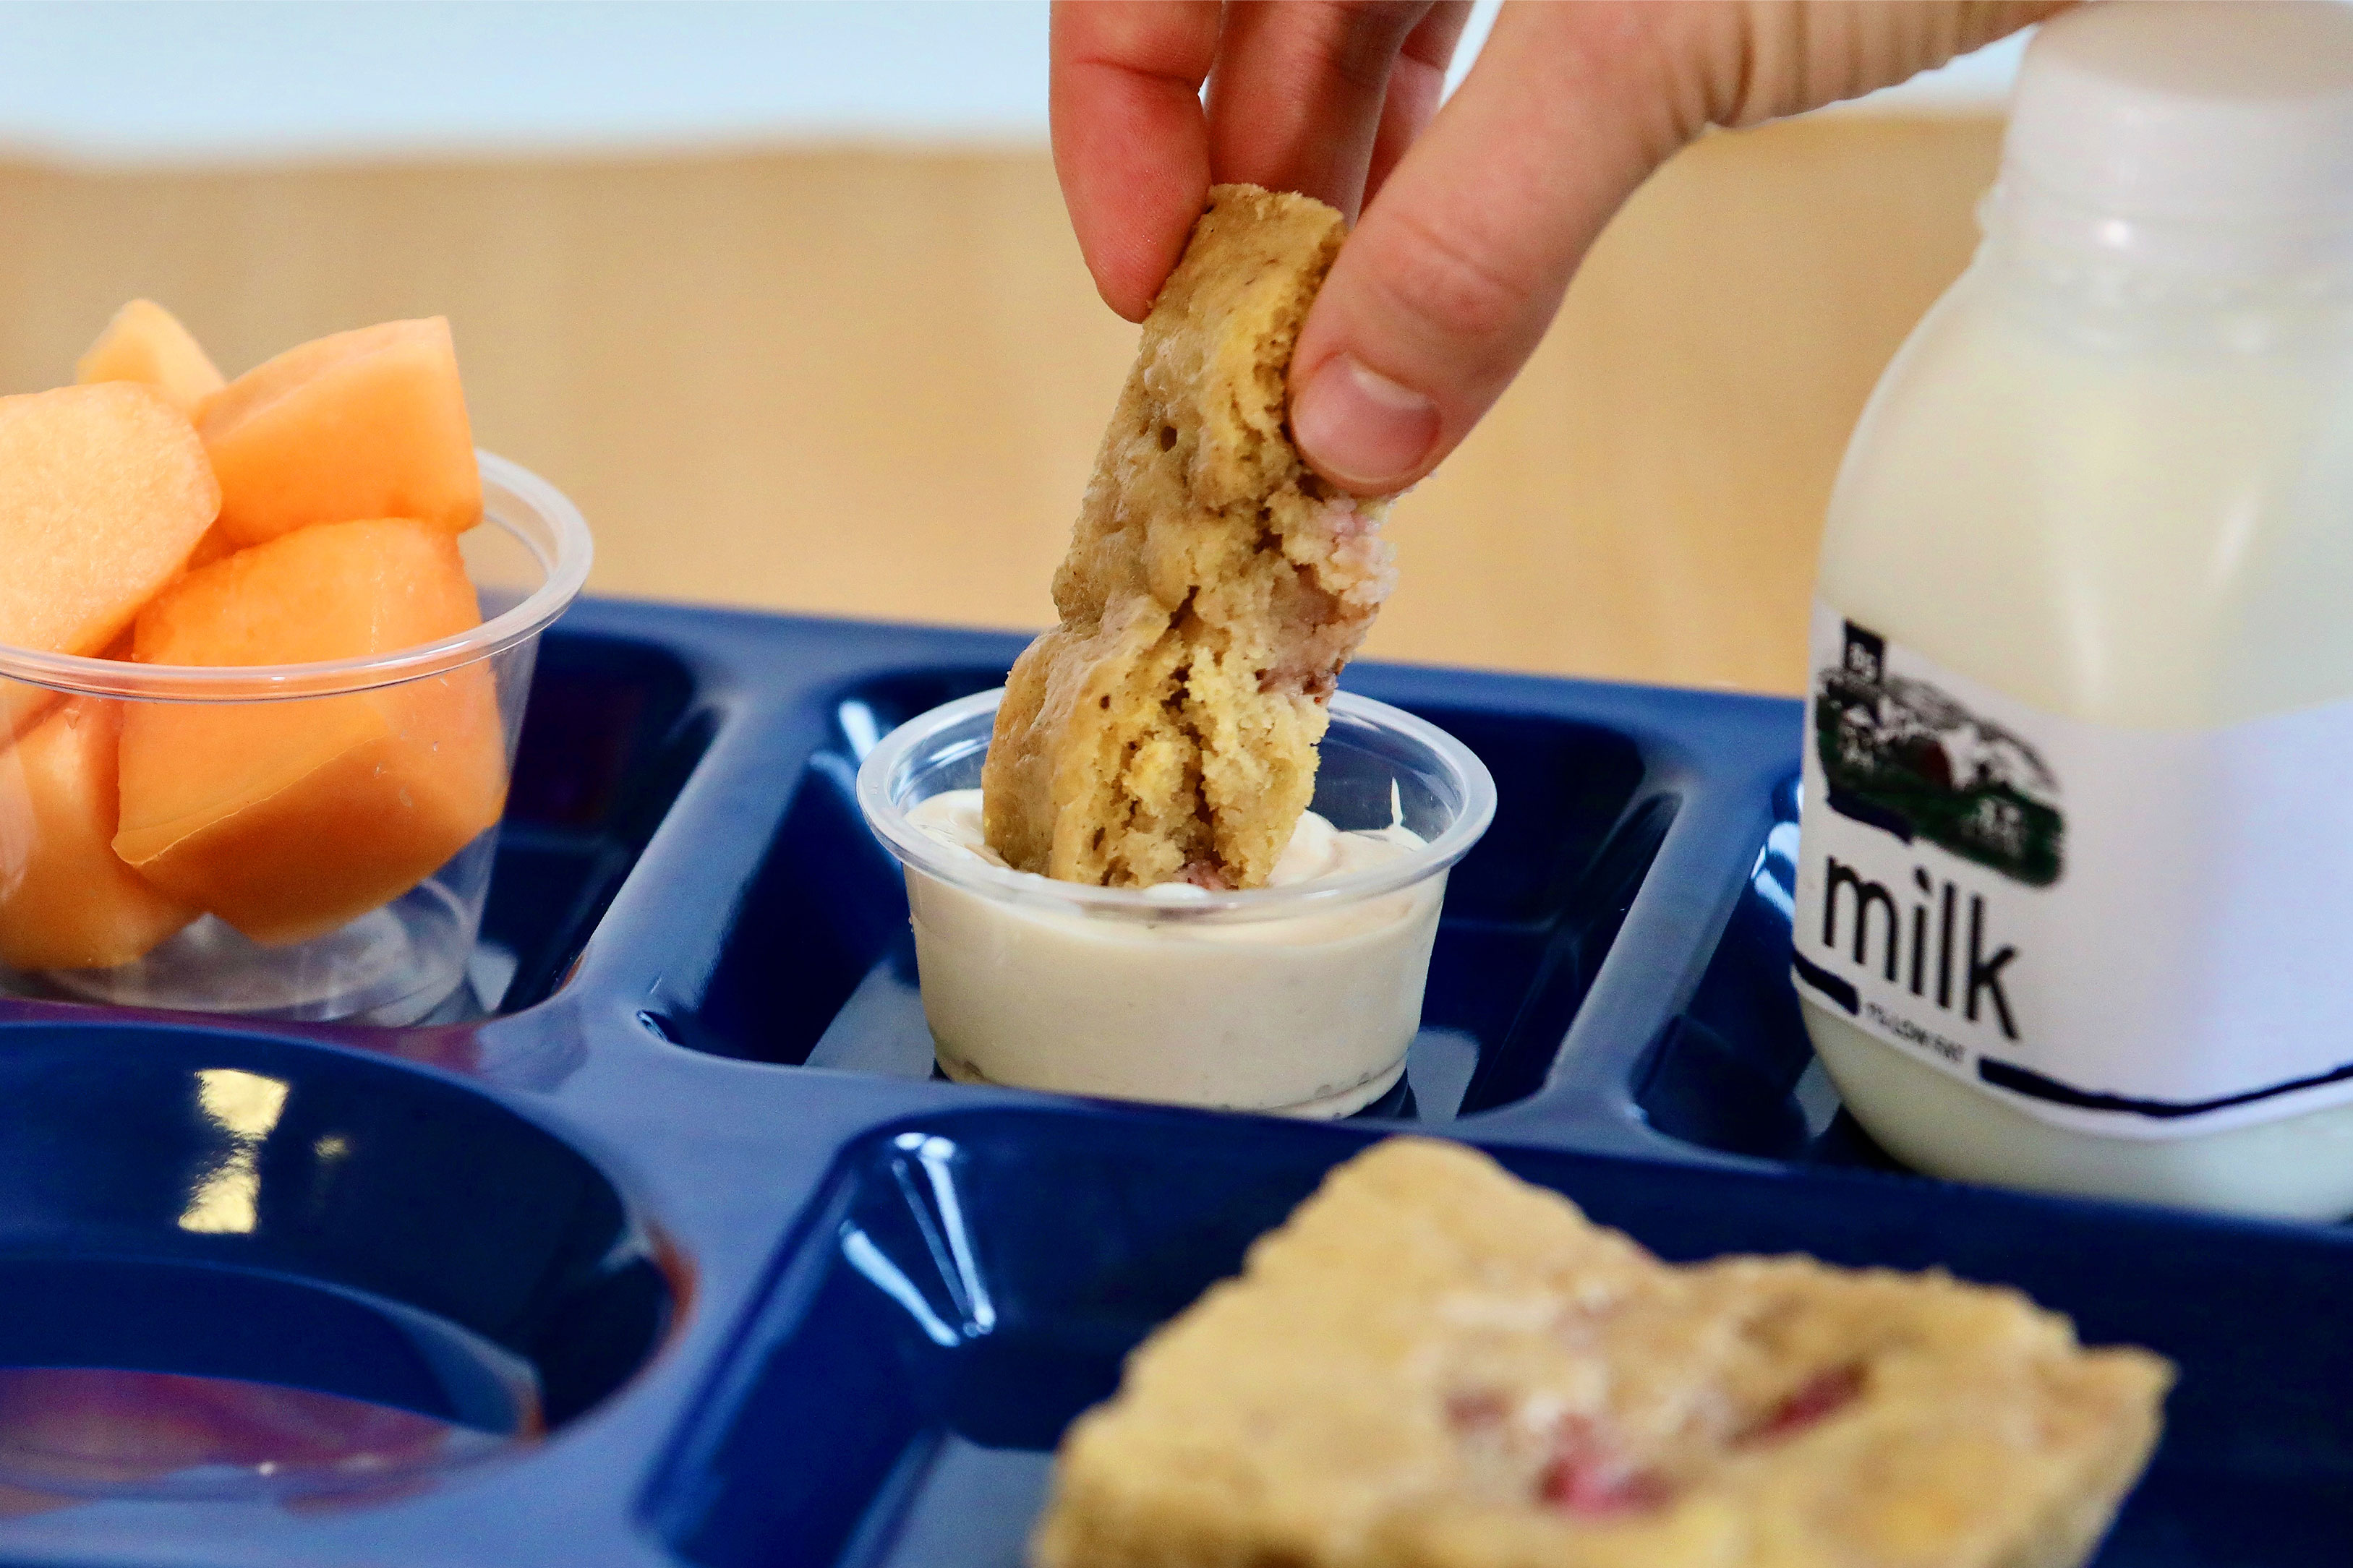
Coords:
pixel 336 820
pixel 1299 1000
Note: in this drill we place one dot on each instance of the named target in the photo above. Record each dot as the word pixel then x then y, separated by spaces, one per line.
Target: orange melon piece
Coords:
pixel 289 818
pixel 66 901
pixel 104 490
pixel 212 547
pixel 369 424
pixel 146 343
pixel 21 703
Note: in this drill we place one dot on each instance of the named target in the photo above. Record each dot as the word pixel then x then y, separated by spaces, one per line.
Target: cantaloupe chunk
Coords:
pixel 289 818
pixel 212 547
pixel 65 900
pixel 146 343
pixel 370 424
pixel 23 704
pixel 104 490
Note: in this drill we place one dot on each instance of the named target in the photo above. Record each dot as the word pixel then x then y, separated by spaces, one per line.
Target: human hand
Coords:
pixel 1470 233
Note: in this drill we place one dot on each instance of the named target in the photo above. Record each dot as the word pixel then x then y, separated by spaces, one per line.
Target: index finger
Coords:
pixel 1131 142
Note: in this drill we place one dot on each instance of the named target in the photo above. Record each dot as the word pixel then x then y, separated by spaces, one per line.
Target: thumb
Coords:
pixel 1450 281
pixel 1456 270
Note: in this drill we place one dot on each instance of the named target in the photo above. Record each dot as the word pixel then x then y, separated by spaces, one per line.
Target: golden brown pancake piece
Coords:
pixel 1167 729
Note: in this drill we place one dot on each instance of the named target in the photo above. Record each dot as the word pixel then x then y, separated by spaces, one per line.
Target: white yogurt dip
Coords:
pixel 1305 1013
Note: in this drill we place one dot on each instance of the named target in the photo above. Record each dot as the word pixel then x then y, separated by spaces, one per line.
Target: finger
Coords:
pixel 1296 99
pixel 1130 145
pixel 1450 280
pixel 1415 82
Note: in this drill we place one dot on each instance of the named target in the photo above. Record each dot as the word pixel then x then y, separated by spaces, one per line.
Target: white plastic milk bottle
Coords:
pixel 2075 887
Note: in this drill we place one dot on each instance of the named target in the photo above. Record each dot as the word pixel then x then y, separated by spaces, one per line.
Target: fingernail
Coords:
pixel 1360 427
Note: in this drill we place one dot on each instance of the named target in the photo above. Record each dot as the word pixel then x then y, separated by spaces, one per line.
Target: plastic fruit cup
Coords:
pixel 68 906
pixel 1298 1000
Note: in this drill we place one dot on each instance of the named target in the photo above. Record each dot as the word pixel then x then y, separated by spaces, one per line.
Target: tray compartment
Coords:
pixel 610 734
pixel 178 1205
pixel 1735 1072
pixel 819 967
pixel 970 1283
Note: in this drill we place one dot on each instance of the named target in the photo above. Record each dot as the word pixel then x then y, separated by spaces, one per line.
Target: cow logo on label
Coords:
pixel 1901 755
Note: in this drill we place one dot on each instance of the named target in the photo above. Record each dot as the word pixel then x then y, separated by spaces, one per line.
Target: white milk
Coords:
pixel 2082 674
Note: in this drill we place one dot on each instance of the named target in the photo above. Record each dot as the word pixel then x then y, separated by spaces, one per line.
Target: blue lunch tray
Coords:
pixel 675 1180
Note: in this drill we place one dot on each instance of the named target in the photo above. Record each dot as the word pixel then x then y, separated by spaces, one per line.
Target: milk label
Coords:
pixel 2142 933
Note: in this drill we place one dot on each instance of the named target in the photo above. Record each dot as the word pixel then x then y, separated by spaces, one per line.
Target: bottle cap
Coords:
pixel 2198 128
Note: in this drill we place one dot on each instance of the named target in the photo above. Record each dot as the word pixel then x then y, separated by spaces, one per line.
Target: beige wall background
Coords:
pixel 869 382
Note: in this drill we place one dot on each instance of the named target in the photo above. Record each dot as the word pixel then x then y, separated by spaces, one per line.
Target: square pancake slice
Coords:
pixel 1434 1366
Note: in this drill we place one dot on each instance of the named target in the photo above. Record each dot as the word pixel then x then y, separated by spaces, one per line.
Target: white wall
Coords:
pixel 209 79
pixel 148 82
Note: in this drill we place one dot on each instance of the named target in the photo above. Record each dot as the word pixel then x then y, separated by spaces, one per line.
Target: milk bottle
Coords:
pixel 2075 887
